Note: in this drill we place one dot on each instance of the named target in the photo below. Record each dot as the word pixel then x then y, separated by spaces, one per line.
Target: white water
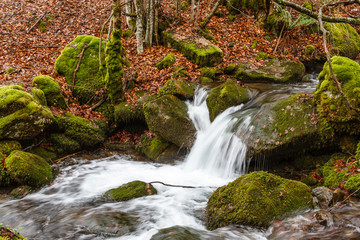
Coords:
pixel 72 208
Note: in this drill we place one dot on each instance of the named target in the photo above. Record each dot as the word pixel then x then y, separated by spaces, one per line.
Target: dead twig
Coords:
pixel 78 64
pixel 60 159
pixel 41 17
pixel 97 105
pixel 180 186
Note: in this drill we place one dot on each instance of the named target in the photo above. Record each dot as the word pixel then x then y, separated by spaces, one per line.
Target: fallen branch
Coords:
pixel 179 186
pixel 96 105
pixel 277 44
pixel 34 145
pixel 60 159
pixel 41 17
pixel 78 64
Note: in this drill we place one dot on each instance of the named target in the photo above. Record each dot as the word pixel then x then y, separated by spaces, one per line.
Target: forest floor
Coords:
pixel 32 50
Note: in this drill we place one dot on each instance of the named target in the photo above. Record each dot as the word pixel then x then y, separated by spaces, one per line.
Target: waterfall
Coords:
pixel 217 149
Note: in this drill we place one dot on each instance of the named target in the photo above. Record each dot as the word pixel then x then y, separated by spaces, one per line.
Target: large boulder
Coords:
pixel 256 199
pixel 51 90
pixel 287 129
pixel 131 190
pixel 332 107
pixel 28 169
pixel 88 79
pixel 86 133
pixel 199 50
pixel 344 40
pixel 277 71
pixel 167 117
pixel 224 96
pixel 22 115
pixel 179 88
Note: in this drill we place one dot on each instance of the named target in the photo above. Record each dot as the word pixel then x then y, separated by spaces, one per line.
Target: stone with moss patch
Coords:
pixel 256 199
pixel 131 190
pixel 199 51
pixel 28 169
pixel 22 116
pixel 331 177
pixel 7 146
pixel 167 117
pixel 125 113
pixel 179 88
pixel 353 184
pixel 151 147
pixel 63 144
pixel 309 50
pixel 88 79
pixel 83 131
pixel 276 71
pixel 21 191
pixel 332 107
pixel 344 40
pixel 177 233
pixel 51 90
pixel 47 153
pixel 166 62
pixel 224 96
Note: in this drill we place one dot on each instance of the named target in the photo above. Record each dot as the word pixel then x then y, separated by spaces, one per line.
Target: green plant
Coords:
pixel 302 20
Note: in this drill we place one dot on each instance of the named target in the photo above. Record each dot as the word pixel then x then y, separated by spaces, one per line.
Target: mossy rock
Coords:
pixel 5 179
pixel 212 73
pixel 353 184
pixel 7 233
pixel 44 152
pixel 125 113
pixel 256 199
pixel 151 147
pixel 64 144
pixel 199 51
pixel 287 129
pixel 177 233
pixel 230 69
pixel 21 191
pixel 179 88
pixel 179 72
pixel 88 79
pixel 254 5
pixel 7 146
pixel 166 62
pixel 344 40
pixel 333 178
pixel 83 131
pixel 167 117
pixel 131 190
pixel 224 96
pixel 39 96
pixel 107 109
pixel 277 71
pixel 28 169
pixel 22 116
pixel 51 90
pixel 332 107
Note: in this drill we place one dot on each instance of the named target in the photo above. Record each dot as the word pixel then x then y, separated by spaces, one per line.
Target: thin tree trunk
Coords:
pixel 197 14
pixel 156 21
pixel 151 22
pixel 192 10
pixel 128 10
pixel 211 14
pixel 139 26
pixel 178 11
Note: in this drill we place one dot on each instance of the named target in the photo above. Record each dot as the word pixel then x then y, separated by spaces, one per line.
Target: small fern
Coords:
pixel 302 20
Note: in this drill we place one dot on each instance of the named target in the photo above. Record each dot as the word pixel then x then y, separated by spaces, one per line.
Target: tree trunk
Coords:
pixel 156 21
pixel 151 22
pixel 139 26
pixel 211 14
pixel 192 10
pixel 128 10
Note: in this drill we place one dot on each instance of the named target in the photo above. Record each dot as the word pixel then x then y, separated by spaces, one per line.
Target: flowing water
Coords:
pixel 72 207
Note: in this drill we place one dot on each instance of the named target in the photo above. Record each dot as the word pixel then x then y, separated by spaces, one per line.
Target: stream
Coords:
pixel 72 207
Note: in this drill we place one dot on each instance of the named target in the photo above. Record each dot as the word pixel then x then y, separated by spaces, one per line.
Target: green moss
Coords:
pixel 5 179
pixel 210 72
pixel 344 40
pixel 21 191
pixel 28 169
pixel 39 96
pixel 125 113
pixel 10 70
pixel 178 87
pixel 309 50
pixel 22 116
pixel 262 55
pixel 230 69
pixel 231 18
pixel 256 199
pixel 254 5
pixel 51 90
pixel 184 5
pixel 254 44
pixel 166 62
pixel 206 34
pixel 167 117
pixel 7 146
pixel 179 71
pixel 206 80
pixel 83 131
pixel 331 177
pixel 89 78
pixel 353 184
pixel 128 33
pixel 202 55
pixel 340 118
pixel 45 153
pixel 224 96
pixel 151 147
pixel 42 26
pixel 63 144
pixel 6 233
pixel 130 191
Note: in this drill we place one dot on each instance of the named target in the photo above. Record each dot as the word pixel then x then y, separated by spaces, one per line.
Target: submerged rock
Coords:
pixel 224 96
pixel 167 117
pixel 332 107
pixel 177 233
pixel 256 199
pixel 22 115
pixel 323 194
pixel 131 190
pixel 88 78
pixel 277 71
pixel 199 51
pixel 51 90
pixel 28 169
